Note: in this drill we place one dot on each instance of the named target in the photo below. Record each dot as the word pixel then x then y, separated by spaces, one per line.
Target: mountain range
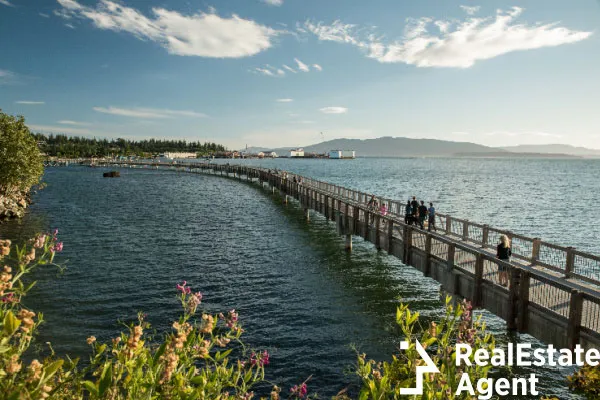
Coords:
pixel 408 147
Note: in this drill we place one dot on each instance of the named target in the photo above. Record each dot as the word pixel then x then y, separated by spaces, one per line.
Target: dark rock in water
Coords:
pixel 112 174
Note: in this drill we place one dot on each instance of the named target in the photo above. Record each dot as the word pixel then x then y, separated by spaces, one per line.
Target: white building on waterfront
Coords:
pixel 172 155
pixel 296 153
pixel 340 154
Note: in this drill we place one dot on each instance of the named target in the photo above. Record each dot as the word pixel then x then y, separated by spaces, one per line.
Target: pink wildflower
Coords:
pixel 183 289
pixel 39 241
pixel 194 301
pixel 299 391
pixel 259 359
pixel 9 298
pixel 231 319
pixel 58 247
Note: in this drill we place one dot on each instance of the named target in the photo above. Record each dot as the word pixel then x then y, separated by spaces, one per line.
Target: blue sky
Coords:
pixel 279 72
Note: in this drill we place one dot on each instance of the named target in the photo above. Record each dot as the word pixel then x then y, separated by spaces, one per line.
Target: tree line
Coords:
pixel 73 147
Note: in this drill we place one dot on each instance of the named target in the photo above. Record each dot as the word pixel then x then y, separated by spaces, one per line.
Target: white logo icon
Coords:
pixel 429 367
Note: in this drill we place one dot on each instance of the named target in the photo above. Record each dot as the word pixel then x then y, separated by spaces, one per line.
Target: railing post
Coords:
pixel 570 264
pixel 535 250
pixel 523 311
pixel 427 271
pixel 377 237
pixel 366 225
pixel 478 282
pixel 513 297
pixel 390 238
pixel 407 244
pixel 485 235
pixel 326 207
pixel 465 235
pixel 575 314
pixel 451 252
pixel 448 224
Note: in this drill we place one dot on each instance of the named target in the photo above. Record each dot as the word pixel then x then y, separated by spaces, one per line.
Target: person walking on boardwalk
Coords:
pixel 371 202
pixel 422 214
pixel 408 213
pixel 414 204
pixel 503 253
pixel 431 221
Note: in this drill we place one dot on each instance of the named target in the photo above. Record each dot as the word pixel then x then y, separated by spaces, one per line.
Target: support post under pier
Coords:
pixel 348 246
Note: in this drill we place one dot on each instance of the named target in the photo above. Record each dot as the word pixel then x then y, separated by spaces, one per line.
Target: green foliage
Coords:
pixel 191 362
pixel 383 380
pixel 20 159
pixel 586 381
pixel 74 147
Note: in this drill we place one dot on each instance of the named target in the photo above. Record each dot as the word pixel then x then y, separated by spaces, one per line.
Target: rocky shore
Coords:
pixel 13 205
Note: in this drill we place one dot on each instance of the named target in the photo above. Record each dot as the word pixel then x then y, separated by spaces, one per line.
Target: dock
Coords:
pixel 553 292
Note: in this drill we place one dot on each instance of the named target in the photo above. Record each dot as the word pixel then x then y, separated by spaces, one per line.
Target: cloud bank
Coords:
pixel 202 34
pixel 30 103
pixel 151 113
pixel 449 43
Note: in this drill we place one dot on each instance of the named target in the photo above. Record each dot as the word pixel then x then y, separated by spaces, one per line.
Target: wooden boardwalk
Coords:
pixel 553 292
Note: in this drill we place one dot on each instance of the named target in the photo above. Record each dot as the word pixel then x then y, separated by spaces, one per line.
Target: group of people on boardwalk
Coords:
pixel 374 205
pixel 416 214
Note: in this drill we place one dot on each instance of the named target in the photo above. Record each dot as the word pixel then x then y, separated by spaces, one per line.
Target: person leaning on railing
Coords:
pixel 503 253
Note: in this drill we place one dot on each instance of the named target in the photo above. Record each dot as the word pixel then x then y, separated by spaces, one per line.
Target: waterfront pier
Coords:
pixel 553 291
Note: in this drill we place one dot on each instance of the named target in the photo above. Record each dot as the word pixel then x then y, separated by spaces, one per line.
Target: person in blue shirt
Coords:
pixel 431 221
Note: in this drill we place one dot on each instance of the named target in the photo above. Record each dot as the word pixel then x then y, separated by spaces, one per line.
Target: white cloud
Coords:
pixel 273 2
pixel 69 122
pixel 70 26
pixel 301 66
pixel 30 103
pixel 263 71
pixel 202 34
pixel 7 77
pixel 58 129
pixel 6 3
pixel 334 110
pixel 285 100
pixel 471 10
pixel 270 70
pixel 147 112
pixel 458 44
pixel 43 15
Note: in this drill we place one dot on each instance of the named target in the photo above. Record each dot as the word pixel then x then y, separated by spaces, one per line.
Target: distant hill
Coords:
pixel 391 147
pixel 506 154
pixel 552 149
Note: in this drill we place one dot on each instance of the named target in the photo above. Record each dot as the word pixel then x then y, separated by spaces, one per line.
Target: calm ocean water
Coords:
pixel 128 241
